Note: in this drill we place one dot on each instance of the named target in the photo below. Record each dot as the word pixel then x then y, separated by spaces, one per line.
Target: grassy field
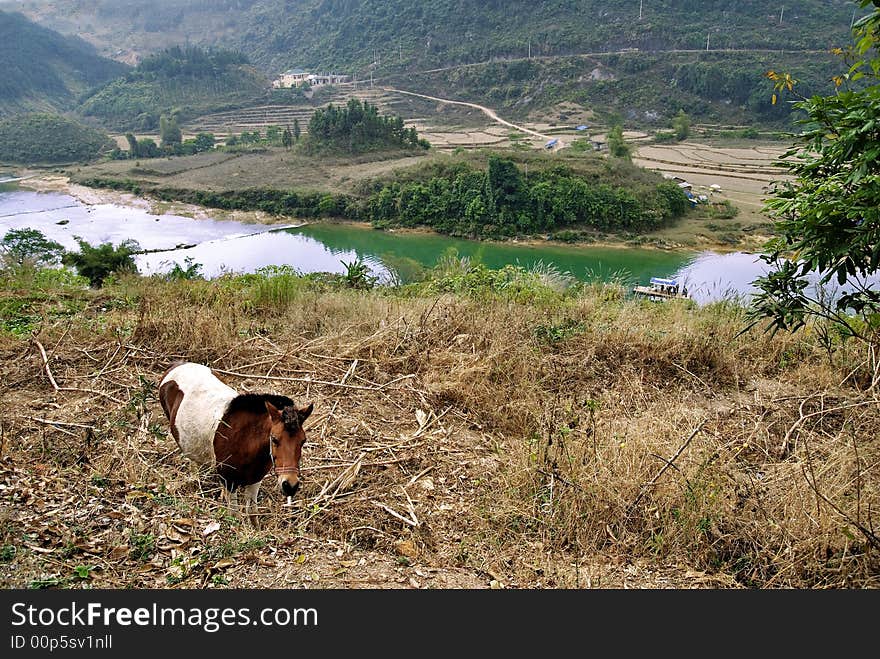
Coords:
pixel 463 437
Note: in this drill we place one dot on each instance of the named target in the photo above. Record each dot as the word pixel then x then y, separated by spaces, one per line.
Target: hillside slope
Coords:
pixel 389 34
pixel 184 81
pixel 44 70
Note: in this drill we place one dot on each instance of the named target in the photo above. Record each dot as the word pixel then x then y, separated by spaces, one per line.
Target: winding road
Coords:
pixel 489 112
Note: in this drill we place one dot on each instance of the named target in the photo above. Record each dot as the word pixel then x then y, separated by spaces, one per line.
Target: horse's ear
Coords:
pixel 274 414
pixel 304 413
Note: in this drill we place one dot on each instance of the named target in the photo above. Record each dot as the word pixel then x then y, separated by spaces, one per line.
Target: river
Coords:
pixel 230 246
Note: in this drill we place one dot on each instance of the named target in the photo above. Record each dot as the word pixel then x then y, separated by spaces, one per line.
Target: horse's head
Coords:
pixel 286 439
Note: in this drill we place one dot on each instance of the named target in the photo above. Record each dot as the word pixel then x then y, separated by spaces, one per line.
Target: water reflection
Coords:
pixel 221 246
pixel 712 276
pixel 278 247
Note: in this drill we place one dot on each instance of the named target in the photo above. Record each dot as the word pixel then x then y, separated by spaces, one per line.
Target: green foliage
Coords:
pixel 185 81
pixel 83 571
pixel 97 263
pixel 498 203
pixel 423 35
pixel 828 215
pixel 141 546
pixel 512 282
pixel 43 70
pixel 28 248
pixel 169 132
pixel 617 145
pixel 357 128
pixel 49 139
pixel 147 148
pixel 559 332
pixel 681 126
pixel 192 271
pixel 276 286
pixel 357 275
pixel 16 317
pixel 269 200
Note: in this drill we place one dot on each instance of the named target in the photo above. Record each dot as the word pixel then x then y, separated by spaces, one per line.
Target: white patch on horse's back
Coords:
pixel 205 401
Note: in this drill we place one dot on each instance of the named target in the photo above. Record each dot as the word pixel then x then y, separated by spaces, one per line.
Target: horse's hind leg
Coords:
pixel 250 503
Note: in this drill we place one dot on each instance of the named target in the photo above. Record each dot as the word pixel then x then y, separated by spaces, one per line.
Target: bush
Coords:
pixel 97 263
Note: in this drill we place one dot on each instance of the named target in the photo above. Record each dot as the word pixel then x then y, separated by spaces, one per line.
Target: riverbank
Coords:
pixel 61 183
pixel 689 234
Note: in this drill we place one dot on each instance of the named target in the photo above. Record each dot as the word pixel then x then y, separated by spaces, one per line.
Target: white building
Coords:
pixel 297 77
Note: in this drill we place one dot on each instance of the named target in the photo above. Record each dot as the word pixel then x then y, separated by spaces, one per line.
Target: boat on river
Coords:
pixel 660 288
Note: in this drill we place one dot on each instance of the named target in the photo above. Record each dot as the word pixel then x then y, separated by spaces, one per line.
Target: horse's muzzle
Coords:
pixel 288 488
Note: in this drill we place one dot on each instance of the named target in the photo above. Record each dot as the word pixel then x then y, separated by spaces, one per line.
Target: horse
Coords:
pixel 243 436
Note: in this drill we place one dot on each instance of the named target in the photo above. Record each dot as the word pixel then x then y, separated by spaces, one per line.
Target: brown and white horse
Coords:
pixel 244 436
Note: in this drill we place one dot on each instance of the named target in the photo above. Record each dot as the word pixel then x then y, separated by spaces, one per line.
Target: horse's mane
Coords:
pixel 256 404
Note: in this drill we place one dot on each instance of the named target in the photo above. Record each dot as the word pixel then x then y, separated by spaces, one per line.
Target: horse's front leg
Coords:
pixel 250 502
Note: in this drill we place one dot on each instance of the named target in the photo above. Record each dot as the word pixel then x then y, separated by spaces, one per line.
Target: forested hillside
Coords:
pixel 385 34
pixel 44 70
pixel 29 139
pixel 716 74
pixel 643 89
pixel 183 81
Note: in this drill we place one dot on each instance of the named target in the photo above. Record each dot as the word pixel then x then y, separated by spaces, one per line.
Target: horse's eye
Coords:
pixel 275 441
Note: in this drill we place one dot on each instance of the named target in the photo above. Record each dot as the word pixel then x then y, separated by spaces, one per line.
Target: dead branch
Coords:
pixel 50 422
pixel 76 389
pixel 46 365
pixel 668 464
pixel 869 536
pixel 396 514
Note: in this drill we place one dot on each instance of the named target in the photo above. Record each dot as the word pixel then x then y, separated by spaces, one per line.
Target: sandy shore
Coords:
pixel 46 182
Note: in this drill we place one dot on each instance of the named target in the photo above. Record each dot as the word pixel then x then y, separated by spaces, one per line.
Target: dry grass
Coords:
pixel 588 442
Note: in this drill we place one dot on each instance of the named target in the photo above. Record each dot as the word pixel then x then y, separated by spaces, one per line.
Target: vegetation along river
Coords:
pixel 230 246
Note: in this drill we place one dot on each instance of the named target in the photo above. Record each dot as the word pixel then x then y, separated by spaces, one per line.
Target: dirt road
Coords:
pixel 487 111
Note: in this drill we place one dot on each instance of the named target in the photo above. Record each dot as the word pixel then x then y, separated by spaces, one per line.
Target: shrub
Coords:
pixel 97 263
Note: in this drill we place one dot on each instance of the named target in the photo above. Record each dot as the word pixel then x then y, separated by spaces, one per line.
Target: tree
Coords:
pixel 97 263
pixel 296 130
pixel 287 138
pixel 504 186
pixel 204 141
pixel 146 148
pixel 132 146
pixel 617 145
pixel 169 131
pixel 827 216
pixel 681 125
pixel 274 136
pixel 29 248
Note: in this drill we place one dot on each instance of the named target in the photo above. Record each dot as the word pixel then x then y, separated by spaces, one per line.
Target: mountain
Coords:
pixel 128 30
pixel 641 60
pixel 44 70
pixel 381 35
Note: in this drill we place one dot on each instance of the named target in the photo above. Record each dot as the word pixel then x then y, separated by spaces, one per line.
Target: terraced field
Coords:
pixel 744 173
pixel 445 125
